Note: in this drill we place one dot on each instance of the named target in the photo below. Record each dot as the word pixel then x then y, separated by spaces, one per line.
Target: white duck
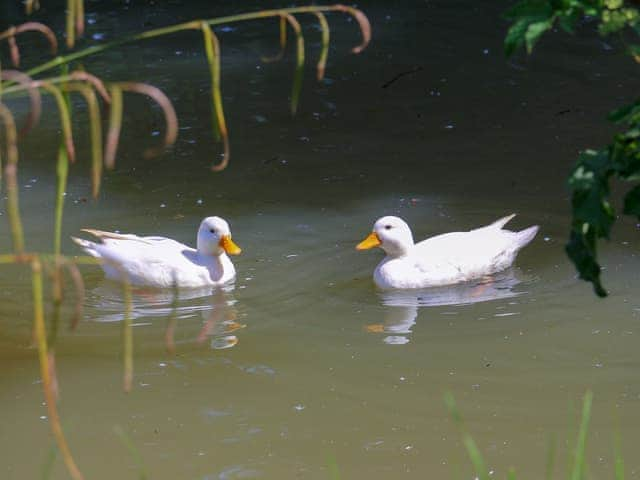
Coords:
pixel 162 262
pixel 444 259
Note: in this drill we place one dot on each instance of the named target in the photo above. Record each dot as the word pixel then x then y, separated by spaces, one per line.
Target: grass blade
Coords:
pixel 41 338
pixel 127 333
pixel 363 22
pixel 212 48
pixel 115 125
pixel 579 463
pixel 78 283
pixel 299 71
pixel 477 460
pixel 65 117
pixel 97 84
pixel 334 471
pixel 11 179
pixel 62 173
pixel 551 458
pixel 80 17
pixel 48 34
pixel 95 131
pixel 14 51
pixel 170 117
pixel 34 98
pixel 71 23
pixel 133 451
pixel 619 462
pixel 47 466
pixel 29 6
pixel 283 41
pixel 324 52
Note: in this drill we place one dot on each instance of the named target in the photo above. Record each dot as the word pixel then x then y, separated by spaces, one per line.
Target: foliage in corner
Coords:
pixel 589 182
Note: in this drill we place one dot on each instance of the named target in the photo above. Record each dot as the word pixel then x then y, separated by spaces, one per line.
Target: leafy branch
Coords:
pixel 593 215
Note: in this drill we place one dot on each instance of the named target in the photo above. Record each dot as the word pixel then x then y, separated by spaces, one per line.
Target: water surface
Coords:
pixel 303 363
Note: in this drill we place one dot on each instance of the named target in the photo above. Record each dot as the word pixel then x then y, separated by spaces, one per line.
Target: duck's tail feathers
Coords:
pixel 501 222
pixel 87 246
pixel 523 237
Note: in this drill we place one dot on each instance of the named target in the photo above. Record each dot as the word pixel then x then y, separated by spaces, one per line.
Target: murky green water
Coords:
pixel 303 364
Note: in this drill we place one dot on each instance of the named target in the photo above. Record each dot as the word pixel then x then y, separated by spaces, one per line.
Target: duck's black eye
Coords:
pixel 212 230
pixel 387 227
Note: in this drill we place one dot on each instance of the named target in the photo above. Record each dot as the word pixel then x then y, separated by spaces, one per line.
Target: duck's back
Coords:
pixel 454 257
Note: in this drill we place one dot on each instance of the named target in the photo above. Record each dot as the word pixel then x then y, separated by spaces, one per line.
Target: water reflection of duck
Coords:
pixel 401 307
pixel 162 262
pixel 213 307
pixel 444 259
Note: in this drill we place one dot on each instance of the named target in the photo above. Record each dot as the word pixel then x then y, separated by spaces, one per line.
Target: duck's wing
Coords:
pixel 484 250
pixel 102 235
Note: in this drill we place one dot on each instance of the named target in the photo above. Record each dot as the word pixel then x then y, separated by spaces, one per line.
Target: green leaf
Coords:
pixel 582 252
pixel 568 20
pixel 626 112
pixel 632 202
pixel 535 31
pixel 529 8
pixel 515 36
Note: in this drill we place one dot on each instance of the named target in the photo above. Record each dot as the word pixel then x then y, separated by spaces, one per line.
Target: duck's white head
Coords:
pixel 392 234
pixel 214 237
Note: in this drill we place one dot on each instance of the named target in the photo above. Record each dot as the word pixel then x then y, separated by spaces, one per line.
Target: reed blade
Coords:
pixel 95 132
pixel 115 126
pixel 579 463
pixel 282 22
pixel 62 173
pixel 79 17
pixel 28 6
pixel 46 32
pixel 14 51
pixel 65 117
pixel 299 70
pixel 324 50
pixel 11 179
pixel 35 99
pixel 617 455
pixel 170 117
pixel 133 451
pixel 473 451
pixel 212 52
pixel 94 81
pixel 363 23
pixel 45 369
pixel 551 459
pixel 78 283
pixel 212 48
pixel 127 332
pixel 71 23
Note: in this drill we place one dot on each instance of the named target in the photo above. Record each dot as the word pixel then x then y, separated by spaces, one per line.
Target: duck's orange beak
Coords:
pixel 228 246
pixel 371 241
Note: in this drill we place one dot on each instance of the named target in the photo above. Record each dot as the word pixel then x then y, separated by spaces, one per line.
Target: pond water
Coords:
pixel 302 366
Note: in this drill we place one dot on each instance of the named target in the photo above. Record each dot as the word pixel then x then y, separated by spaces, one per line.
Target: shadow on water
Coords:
pixel 213 307
pixel 402 306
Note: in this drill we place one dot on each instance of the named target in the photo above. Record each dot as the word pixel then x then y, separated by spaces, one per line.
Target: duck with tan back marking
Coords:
pixel 163 262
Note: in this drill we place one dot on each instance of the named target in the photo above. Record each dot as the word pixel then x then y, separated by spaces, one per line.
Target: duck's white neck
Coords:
pixel 220 267
pixel 396 249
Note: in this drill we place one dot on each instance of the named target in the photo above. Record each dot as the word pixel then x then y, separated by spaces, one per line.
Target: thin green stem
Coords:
pixel 45 372
pixel 62 171
pixel 195 25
